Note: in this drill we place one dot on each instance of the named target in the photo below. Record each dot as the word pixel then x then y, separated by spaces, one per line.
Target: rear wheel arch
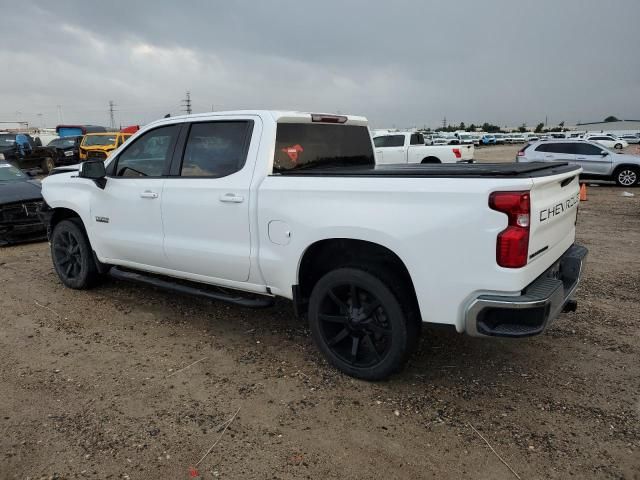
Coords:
pixel 431 159
pixel 326 255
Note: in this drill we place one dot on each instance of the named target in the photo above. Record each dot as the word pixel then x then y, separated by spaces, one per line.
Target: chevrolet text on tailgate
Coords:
pixel 285 204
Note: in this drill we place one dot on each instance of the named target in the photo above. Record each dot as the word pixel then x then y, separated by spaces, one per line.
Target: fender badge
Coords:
pixel 102 219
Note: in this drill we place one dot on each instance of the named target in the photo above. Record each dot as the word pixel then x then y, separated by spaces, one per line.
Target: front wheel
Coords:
pixel 72 255
pixel 358 324
pixel 627 176
pixel 47 165
pixel 618 146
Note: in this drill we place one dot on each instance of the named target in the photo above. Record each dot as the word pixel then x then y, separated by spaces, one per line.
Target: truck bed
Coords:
pixel 474 170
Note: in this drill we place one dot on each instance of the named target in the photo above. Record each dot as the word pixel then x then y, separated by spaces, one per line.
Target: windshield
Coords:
pixel 7 140
pixel 464 137
pixel 309 145
pixel 99 140
pixel 62 142
pixel 10 173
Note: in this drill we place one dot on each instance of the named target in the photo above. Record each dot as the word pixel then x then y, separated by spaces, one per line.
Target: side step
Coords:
pixel 261 301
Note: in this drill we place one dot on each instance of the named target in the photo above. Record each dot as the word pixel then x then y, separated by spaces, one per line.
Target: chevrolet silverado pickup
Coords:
pixel 246 206
pixel 409 147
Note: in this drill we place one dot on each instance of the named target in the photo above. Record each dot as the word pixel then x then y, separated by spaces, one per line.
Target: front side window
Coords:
pixel 216 149
pixel 148 155
pixel 389 141
pixel 587 149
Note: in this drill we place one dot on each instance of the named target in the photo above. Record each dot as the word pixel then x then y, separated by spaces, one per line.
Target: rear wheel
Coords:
pixel 358 324
pixel 627 176
pixel 72 255
pixel 47 165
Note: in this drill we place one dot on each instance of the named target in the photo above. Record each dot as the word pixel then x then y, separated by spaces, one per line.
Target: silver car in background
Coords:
pixel 597 162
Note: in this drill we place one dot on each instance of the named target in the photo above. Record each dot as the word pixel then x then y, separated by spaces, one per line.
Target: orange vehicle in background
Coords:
pixel 98 146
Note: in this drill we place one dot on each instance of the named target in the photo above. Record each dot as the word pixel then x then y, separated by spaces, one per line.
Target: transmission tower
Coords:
pixel 111 114
pixel 186 103
pixel 444 122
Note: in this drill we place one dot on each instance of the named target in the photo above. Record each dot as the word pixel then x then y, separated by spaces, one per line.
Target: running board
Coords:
pixel 261 301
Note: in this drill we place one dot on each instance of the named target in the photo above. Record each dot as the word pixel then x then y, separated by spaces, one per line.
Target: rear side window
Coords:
pixel 216 149
pixel 417 139
pixel 309 145
pixel 389 141
pixel 543 148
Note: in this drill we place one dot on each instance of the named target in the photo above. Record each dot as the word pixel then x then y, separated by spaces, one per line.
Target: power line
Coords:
pixel 186 103
pixel 111 114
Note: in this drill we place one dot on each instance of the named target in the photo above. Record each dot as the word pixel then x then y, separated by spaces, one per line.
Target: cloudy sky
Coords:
pixel 401 63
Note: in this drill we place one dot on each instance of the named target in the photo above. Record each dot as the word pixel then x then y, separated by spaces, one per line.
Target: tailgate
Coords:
pixel 467 151
pixel 554 207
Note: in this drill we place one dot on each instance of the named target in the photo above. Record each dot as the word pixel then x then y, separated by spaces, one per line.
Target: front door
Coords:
pixel 593 159
pixel 126 215
pixel 205 203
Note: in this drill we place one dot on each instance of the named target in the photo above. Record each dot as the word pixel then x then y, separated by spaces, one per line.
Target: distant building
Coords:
pixel 619 127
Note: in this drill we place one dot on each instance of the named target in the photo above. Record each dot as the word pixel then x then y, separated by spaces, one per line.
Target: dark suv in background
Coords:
pixel 597 162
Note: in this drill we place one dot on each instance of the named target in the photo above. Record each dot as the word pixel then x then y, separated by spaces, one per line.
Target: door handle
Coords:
pixel 231 198
pixel 148 194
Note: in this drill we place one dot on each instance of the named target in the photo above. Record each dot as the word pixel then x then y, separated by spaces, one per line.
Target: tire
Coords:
pixel 627 176
pixel 369 341
pixel 618 146
pixel 72 255
pixel 47 165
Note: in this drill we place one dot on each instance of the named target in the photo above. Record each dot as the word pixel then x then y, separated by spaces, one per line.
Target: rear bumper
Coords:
pixel 531 312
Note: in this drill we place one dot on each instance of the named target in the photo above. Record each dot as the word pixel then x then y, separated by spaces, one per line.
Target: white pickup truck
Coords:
pixel 409 147
pixel 249 205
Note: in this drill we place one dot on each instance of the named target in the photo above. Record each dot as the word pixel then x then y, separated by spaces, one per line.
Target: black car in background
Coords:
pixel 23 151
pixel 68 149
pixel 20 199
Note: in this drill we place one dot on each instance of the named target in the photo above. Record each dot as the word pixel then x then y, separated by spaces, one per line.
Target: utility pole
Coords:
pixel 111 115
pixel 60 117
pixel 40 124
pixel 186 103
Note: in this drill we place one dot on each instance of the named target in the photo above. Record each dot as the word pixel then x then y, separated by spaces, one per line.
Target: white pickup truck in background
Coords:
pixel 246 206
pixel 409 147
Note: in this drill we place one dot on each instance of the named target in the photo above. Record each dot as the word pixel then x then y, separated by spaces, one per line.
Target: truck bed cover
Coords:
pixel 473 170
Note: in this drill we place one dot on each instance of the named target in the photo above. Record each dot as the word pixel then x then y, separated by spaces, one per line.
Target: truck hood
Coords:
pixel 12 191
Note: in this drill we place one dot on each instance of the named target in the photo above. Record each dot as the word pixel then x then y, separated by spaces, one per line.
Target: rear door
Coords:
pixel 593 159
pixel 390 149
pixel 205 205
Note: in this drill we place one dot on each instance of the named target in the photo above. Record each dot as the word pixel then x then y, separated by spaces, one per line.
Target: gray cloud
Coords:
pixel 399 63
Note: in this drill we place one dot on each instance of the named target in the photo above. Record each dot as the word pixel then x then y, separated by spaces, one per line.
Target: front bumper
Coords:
pixel 535 308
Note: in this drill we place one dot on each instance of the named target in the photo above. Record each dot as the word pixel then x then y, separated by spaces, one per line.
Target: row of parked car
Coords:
pixel 465 138
pixel 75 144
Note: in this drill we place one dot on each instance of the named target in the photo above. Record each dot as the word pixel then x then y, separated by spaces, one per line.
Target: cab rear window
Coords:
pixel 310 145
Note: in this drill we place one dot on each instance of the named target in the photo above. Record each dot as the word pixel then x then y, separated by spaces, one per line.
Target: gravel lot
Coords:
pixel 94 384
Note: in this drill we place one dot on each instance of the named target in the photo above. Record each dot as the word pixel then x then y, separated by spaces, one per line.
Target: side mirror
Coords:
pixel 94 170
pixel 604 153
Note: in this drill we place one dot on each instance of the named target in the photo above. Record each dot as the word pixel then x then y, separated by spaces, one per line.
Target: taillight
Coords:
pixel 512 246
pixel 521 153
pixel 456 152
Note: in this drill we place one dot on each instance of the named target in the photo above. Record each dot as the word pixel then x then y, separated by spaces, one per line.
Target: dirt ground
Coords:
pixel 105 384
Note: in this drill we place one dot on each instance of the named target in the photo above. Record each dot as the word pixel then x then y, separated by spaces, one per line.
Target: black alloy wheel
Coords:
pixel 358 324
pixel 72 255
